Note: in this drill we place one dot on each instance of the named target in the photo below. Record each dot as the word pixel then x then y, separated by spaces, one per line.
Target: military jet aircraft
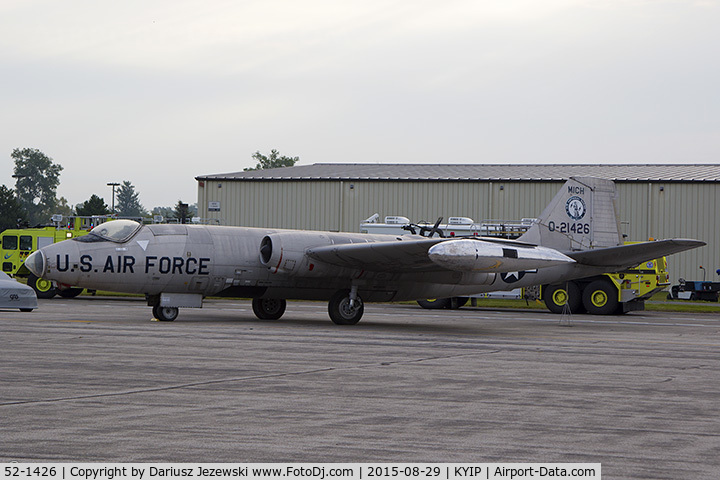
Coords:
pixel 176 266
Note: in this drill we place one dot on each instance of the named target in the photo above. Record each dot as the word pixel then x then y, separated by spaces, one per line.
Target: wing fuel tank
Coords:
pixel 481 256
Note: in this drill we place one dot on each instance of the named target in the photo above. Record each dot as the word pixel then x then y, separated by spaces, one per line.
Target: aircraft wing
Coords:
pixel 380 256
pixel 625 256
pixel 455 254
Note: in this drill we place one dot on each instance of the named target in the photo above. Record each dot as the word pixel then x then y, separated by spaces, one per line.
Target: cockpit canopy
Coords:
pixel 117 231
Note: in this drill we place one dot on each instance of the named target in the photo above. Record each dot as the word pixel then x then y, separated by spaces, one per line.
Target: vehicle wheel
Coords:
pixel 340 311
pixel 557 296
pixel 268 308
pixel 70 292
pixel 165 314
pixel 600 298
pixel 457 302
pixel 26 309
pixel 43 288
pixel 434 303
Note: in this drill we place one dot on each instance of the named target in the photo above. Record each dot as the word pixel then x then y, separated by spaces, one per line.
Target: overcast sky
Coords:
pixel 158 92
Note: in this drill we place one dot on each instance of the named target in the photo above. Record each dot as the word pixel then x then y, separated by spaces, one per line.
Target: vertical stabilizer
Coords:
pixel 583 215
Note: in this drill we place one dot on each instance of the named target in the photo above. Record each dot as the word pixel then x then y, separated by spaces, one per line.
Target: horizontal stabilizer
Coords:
pixel 625 256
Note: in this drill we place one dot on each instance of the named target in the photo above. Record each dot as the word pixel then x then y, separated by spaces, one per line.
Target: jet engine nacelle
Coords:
pixel 284 252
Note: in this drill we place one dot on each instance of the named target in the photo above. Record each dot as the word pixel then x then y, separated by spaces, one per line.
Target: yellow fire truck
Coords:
pixel 18 243
pixel 610 293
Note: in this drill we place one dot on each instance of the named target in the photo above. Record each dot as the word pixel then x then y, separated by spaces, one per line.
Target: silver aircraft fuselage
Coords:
pixel 217 260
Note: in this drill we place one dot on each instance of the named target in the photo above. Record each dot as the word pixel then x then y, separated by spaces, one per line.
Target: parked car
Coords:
pixel 14 294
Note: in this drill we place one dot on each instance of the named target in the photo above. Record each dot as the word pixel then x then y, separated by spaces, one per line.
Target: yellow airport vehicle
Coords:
pixel 16 244
pixel 610 293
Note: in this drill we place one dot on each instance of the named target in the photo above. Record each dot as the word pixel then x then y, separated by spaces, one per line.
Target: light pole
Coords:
pixel 113 185
pixel 17 178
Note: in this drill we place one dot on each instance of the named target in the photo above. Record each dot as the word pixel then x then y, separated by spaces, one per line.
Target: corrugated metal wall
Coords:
pixel 342 205
pixel 675 210
pixel 661 210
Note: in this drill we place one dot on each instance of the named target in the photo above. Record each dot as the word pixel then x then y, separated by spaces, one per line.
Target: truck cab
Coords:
pixel 16 245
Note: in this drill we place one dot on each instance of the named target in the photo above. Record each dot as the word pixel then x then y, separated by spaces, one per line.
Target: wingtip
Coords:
pixel 688 242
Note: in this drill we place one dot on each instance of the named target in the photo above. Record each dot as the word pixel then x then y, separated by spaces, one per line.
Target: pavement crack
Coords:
pixel 235 379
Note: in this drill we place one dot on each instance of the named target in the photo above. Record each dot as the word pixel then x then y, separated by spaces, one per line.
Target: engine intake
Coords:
pixel 271 252
pixel 284 252
pixel 279 256
pixel 266 250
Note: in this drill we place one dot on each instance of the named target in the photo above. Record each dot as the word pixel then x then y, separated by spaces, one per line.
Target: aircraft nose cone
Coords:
pixel 36 263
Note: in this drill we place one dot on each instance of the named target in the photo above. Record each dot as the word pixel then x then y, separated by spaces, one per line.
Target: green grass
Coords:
pixel 687 307
pixel 508 303
pixel 101 293
pixel 660 303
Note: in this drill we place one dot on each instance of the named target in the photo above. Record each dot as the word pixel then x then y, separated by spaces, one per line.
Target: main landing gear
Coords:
pixel 268 308
pixel 344 308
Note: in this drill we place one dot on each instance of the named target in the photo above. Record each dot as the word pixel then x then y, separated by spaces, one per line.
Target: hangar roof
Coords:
pixel 438 172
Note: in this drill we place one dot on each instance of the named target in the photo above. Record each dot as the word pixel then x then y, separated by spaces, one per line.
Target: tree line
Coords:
pixel 34 200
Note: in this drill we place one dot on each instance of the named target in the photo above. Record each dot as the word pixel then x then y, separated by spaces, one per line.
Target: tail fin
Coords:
pixel 583 215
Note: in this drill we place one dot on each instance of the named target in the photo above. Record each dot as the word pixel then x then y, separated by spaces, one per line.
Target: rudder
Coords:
pixel 583 215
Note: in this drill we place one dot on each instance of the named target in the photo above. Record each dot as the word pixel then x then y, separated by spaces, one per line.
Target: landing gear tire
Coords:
pixel 43 288
pixel 457 302
pixel 341 313
pixel 70 292
pixel 557 296
pixel 165 314
pixel 268 308
pixel 452 303
pixel 601 298
pixel 434 303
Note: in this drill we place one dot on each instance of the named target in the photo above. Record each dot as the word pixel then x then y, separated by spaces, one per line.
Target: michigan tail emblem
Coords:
pixel 582 216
